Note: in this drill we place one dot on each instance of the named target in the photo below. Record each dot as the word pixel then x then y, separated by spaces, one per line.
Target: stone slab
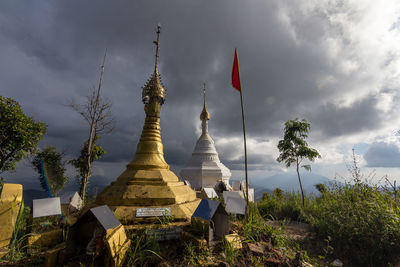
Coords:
pixel 76 201
pixel 257 248
pixel 106 217
pixel 235 185
pixel 235 205
pixel 10 206
pixel 251 194
pixel 46 239
pixel 234 241
pixel 11 192
pixel 118 244
pixel 163 234
pixel 243 185
pixel 208 193
pixel 46 207
pixel 232 194
pixel 152 212
pixel 72 199
pixel 51 256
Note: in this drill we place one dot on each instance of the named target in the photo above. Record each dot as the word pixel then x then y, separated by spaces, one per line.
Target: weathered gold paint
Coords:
pixel 10 205
pixel 147 180
pixel 118 244
pixel 45 239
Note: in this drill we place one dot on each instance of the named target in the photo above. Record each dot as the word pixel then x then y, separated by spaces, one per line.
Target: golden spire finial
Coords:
pixel 149 153
pixel 154 88
pixel 157 43
pixel 204 116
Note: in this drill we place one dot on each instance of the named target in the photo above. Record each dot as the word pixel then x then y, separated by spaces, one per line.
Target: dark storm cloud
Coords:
pixel 336 121
pixel 256 162
pixel 382 154
pixel 52 53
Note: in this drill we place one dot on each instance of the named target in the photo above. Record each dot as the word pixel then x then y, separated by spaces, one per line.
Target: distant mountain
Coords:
pixel 289 182
pixel 259 191
pixel 31 194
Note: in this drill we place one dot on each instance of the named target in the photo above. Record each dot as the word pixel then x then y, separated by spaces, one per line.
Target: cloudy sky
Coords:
pixel 334 63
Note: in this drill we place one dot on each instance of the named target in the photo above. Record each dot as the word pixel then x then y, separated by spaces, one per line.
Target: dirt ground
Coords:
pixel 293 230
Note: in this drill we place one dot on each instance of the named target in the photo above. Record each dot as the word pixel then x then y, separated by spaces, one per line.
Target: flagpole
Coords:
pixel 238 86
pixel 245 157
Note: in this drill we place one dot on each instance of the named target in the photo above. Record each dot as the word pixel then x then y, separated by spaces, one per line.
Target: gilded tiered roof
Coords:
pixel 147 184
pixel 154 87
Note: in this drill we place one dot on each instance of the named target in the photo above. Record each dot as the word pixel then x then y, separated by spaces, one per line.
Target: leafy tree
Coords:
pixel 265 196
pixel 278 193
pixel 321 188
pixel 19 134
pixel 97 113
pixel 294 148
pixel 81 165
pixel 51 169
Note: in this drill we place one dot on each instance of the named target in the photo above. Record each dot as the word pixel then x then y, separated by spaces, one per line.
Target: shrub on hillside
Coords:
pixel 362 221
pixel 255 229
pixel 280 205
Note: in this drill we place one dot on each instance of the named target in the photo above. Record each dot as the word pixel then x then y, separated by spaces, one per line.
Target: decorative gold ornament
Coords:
pixel 204 114
pixel 147 181
pixel 149 153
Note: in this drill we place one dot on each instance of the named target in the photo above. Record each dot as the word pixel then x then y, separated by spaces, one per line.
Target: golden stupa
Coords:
pixel 147 182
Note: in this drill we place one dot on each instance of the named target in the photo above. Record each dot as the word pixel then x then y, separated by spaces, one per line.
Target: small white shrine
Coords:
pixel 204 168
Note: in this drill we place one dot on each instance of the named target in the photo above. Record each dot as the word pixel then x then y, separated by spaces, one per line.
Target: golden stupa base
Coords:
pixel 148 188
pixel 147 181
pixel 146 226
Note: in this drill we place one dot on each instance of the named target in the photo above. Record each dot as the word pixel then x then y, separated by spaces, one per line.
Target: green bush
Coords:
pixel 284 206
pixel 362 221
pixel 255 229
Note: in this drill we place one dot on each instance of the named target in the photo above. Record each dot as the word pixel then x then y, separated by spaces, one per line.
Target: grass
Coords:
pixel 229 252
pixel 359 218
pixel 256 230
pixel 354 221
pixel 143 251
pixel 194 255
pixel 17 254
pixel 17 247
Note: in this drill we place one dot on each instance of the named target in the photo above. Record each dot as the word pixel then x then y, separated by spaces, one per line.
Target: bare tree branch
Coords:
pixel 97 113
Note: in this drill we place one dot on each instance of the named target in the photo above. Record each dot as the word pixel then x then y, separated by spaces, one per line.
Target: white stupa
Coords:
pixel 204 168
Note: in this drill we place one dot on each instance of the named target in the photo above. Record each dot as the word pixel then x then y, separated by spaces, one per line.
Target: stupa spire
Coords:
pixel 149 153
pixel 147 183
pixel 157 43
pixel 204 168
pixel 204 116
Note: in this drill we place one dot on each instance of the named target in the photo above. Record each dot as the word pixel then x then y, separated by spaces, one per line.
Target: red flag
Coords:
pixel 235 73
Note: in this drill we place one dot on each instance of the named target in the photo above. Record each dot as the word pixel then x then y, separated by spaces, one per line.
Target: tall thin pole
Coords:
pixel 235 81
pixel 245 157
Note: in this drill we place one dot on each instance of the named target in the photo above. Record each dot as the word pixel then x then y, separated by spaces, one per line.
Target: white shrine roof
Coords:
pixel 204 167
